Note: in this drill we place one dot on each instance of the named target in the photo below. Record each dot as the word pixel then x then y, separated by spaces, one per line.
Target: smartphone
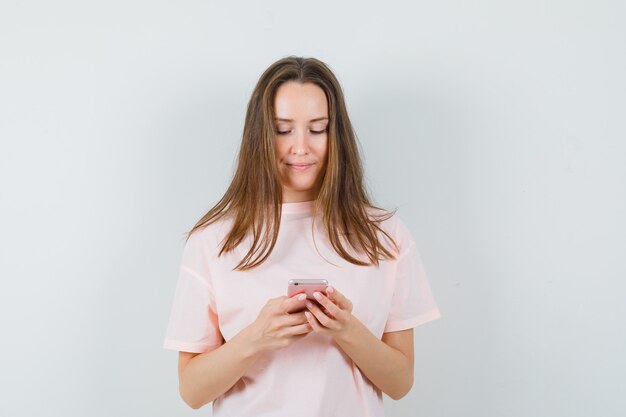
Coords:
pixel 308 286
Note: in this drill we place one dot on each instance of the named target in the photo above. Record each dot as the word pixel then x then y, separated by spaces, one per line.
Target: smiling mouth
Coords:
pixel 299 167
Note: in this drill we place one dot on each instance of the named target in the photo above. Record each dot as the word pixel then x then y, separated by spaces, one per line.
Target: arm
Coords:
pixel 205 376
pixel 387 363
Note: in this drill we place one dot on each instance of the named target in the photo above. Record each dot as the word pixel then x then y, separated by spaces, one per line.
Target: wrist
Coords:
pixel 248 343
pixel 349 332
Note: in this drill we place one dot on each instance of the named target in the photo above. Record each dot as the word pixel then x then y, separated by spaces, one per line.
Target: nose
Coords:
pixel 299 146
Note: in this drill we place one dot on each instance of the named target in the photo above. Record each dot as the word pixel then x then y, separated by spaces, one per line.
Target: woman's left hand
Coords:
pixel 337 318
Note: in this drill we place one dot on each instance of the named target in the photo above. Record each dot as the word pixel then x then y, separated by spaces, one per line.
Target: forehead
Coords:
pixel 297 101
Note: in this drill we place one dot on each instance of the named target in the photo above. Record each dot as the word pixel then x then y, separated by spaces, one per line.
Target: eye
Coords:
pixel 318 132
pixel 315 132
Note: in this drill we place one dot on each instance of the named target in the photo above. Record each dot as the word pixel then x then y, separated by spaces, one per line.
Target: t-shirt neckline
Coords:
pixel 298 207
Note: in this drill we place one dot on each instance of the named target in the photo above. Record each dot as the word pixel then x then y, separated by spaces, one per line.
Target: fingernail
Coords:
pixel 317 295
pixel 301 297
pixel 309 304
pixel 307 314
pixel 330 289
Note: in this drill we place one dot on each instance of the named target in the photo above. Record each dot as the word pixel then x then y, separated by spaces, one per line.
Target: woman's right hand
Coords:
pixel 275 327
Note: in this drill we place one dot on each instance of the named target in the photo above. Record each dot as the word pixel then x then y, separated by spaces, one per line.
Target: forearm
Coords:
pixel 386 367
pixel 210 374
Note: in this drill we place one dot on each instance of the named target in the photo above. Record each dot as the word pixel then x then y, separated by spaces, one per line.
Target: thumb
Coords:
pixel 290 303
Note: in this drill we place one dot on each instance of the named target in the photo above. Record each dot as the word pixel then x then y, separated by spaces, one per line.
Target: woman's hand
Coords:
pixel 336 319
pixel 275 327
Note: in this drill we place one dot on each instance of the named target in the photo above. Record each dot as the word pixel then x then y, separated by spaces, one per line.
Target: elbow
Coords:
pixel 397 396
pixel 195 406
pixel 192 405
pixel 400 393
pixel 190 400
pixel 186 398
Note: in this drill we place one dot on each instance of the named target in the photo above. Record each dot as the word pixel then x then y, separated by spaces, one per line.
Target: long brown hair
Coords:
pixel 254 196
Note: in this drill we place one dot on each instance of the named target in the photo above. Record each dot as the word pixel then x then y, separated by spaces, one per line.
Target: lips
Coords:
pixel 299 167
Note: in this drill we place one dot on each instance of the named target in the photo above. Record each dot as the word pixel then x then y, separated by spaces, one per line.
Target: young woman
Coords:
pixel 297 207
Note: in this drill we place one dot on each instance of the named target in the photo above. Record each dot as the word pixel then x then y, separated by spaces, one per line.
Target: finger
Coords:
pixel 319 315
pixel 294 319
pixel 340 299
pixel 326 302
pixel 285 321
pixel 321 307
pixel 315 325
pixel 293 303
pixel 297 337
pixel 300 329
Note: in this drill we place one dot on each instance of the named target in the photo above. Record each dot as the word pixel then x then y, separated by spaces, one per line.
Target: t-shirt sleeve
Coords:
pixel 412 303
pixel 193 323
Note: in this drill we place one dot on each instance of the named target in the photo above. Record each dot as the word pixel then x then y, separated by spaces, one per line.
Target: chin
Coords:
pixel 301 187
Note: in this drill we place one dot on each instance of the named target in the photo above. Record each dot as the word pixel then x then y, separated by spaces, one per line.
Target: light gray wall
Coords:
pixel 497 127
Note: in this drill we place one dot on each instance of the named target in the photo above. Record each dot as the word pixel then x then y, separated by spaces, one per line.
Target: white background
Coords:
pixel 497 127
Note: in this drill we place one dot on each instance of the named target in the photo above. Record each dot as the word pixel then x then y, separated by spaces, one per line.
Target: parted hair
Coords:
pixel 253 199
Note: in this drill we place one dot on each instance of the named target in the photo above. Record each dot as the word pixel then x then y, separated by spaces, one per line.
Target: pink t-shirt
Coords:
pixel 313 376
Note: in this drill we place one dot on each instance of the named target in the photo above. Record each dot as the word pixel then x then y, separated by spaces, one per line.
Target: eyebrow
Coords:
pixel 291 120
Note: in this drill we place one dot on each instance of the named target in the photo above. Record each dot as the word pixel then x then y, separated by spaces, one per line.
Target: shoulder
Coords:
pixel 394 225
pixel 209 237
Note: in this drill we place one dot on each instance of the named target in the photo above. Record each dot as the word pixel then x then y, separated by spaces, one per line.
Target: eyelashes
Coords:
pixel 315 132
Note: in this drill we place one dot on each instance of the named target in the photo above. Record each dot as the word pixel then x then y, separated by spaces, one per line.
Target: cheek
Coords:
pixel 321 149
pixel 278 149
